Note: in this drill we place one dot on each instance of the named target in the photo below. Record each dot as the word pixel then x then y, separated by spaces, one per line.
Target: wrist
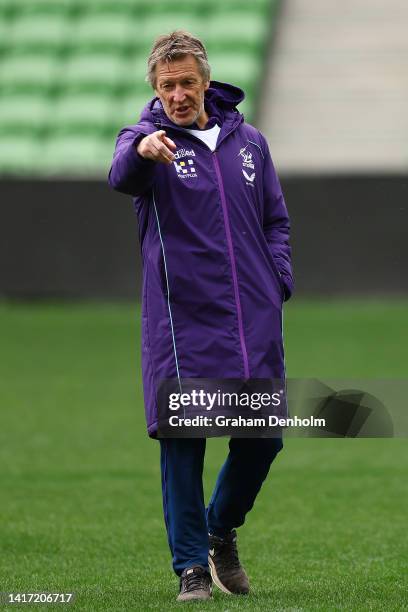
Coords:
pixel 137 148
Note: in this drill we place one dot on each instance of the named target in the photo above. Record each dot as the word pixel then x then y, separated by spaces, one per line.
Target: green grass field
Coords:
pixel 80 482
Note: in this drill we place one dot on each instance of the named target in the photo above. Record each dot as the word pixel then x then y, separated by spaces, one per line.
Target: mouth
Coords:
pixel 182 111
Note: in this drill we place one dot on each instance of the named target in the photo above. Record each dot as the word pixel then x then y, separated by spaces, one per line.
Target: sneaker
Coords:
pixel 195 583
pixel 226 570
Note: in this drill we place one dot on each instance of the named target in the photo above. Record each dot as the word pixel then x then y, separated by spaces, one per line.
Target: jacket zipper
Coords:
pixel 229 238
pixel 233 265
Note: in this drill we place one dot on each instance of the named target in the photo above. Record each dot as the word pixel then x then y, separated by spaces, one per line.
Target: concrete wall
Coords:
pixel 80 239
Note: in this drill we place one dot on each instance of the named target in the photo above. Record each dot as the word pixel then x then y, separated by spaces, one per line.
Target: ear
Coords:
pixel 206 85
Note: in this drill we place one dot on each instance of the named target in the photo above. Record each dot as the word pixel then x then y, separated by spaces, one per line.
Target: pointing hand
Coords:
pixel 157 147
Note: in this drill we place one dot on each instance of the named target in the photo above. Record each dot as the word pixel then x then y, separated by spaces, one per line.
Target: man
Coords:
pixel 214 233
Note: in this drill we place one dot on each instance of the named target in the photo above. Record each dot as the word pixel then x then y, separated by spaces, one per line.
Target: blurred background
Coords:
pixel 327 84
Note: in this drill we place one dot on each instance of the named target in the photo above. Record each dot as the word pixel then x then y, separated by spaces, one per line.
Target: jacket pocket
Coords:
pixel 277 275
pixel 283 288
pixel 163 275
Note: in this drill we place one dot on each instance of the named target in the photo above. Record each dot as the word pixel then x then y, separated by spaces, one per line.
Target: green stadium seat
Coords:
pixel 129 108
pixel 19 154
pixel 26 73
pixel 230 7
pixel 83 114
pixel 247 109
pixel 18 7
pixel 39 32
pixel 245 32
pixel 106 73
pixel 161 8
pixel 109 6
pixel 241 69
pixel 137 66
pixel 102 32
pixel 73 72
pixel 5 6
pixel 3 32
pixel 24 114
pixel 92 73
pixel 150 28
pixel 134 79
pixel 73 156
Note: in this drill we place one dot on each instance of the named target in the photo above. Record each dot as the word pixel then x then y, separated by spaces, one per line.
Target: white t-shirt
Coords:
pixel 209 137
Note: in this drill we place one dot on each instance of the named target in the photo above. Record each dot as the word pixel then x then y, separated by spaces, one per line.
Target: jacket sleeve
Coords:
pixel 276 225
pixel 129 172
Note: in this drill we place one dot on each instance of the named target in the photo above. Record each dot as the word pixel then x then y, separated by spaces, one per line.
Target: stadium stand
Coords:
pixel 336 92
pixel 72 72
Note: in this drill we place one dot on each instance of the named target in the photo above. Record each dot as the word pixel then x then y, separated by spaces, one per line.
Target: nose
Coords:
pixel 179 94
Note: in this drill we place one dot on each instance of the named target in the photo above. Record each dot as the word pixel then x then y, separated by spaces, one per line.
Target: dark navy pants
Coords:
pixel 188 522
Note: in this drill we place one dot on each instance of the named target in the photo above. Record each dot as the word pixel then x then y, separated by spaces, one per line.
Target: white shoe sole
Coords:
pixel 215 578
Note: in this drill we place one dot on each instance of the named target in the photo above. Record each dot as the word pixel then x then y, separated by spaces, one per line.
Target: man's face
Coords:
pixel 180 87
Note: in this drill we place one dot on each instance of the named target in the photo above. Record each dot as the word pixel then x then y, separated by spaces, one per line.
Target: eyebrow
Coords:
pixel 169 79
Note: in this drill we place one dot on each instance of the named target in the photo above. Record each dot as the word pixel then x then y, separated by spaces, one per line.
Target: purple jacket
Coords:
pixel 214 235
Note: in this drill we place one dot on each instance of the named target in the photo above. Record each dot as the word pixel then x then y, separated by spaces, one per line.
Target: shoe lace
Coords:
pixel 194 580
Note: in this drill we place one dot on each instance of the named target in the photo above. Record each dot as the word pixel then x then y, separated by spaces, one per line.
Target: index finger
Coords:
pixel 169 142
pixel 163 152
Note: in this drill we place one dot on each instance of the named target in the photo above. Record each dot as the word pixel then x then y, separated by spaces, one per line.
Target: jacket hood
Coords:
pixel 219 100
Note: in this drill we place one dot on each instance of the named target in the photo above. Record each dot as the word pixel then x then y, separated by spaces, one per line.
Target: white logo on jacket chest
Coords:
pixel 247 158
pixel 184 153
pixel 249 177
pixel 247 162
pixel 185 169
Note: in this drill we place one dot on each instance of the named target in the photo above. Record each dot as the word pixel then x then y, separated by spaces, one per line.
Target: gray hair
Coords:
pixel 175 45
